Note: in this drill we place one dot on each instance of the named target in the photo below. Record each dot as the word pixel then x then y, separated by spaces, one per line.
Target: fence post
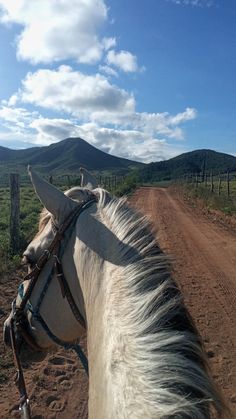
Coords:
pixel 14 213
pixel 228 190
pixel 212 183
pixel 219 184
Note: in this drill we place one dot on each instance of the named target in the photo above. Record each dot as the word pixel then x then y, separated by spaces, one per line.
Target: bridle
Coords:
pixel 19 324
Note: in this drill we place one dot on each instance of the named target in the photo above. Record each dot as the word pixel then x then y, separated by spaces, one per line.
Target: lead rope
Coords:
pixel 24 406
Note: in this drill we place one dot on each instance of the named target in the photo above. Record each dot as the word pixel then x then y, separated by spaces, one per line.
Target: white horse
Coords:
pixel 145 356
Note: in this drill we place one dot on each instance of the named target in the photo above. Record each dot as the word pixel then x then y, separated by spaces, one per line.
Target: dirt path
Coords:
pixel 204 265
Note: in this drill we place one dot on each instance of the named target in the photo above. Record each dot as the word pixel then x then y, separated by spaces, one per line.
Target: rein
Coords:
pixel 18 325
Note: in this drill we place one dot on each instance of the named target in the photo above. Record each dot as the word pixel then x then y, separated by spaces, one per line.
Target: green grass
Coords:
pixel 212 200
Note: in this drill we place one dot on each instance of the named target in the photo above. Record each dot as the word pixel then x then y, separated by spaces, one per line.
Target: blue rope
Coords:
pixel 76 347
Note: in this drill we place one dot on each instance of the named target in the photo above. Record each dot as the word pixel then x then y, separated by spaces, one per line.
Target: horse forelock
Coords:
pixel 44 217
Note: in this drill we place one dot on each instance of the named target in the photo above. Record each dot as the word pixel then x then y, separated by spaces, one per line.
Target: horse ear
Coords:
pixel 52 198
pixel 87 180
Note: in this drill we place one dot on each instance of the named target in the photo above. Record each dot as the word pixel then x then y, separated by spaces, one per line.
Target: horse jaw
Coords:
pixel 54 200
pixel 87 180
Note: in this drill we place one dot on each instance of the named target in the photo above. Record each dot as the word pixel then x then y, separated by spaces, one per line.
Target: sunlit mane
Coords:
pixel 43 219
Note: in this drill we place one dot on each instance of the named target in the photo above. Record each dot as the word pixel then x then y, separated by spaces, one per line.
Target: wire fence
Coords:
pixel 107 182
pixel 221 183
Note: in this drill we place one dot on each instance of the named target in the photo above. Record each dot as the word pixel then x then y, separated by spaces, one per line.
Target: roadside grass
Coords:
pixel 128 186
pixel 212 200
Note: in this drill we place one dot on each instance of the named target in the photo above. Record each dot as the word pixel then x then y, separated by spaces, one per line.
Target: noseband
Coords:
pixel 19 324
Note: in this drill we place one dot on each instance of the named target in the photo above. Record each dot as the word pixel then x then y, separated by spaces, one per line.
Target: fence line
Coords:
pixel 216 182
pixel 67 180
pixel 14 213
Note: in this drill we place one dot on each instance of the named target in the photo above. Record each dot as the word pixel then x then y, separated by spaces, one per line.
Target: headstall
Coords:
pixel 19 323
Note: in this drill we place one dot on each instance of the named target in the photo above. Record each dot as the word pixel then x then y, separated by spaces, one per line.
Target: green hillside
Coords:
pixel 63 157
pixel 188 163
pixel 67 156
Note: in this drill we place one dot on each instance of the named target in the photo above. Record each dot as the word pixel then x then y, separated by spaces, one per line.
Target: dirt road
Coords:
pixel 204 265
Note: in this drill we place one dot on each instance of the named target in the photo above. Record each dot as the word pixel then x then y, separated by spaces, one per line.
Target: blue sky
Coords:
pixel 141 80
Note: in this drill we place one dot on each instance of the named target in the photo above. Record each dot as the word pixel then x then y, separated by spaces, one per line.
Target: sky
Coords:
pixel 141 80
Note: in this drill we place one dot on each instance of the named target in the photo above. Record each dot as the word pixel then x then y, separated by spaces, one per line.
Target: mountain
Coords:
pixel 6 153
pixel 188 163
pixel 66 156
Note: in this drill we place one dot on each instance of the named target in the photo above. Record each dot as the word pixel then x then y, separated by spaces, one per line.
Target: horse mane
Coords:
pixel 43 220
pixel 169 357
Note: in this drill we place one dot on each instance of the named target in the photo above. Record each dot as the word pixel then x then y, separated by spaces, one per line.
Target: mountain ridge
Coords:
pixel 192 162
pixel 65 156
pixel 68 155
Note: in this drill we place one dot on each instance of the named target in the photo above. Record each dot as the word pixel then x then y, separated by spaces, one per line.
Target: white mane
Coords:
pixel 162 352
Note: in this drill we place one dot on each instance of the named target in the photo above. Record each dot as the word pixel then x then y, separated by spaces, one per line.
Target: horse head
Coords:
pixel 52 310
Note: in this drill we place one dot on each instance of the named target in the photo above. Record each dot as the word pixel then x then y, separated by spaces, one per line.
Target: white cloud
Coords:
pixel 53 130
pixel 109 43
pixel 58 30
pixel 94 98
pixel 197 3
pixel 139 143
pixel 75 93
pixel 187 115
pixel 108 70
pixel 159 123
pixel 18 117
pixel 123 60
pixel 15 125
